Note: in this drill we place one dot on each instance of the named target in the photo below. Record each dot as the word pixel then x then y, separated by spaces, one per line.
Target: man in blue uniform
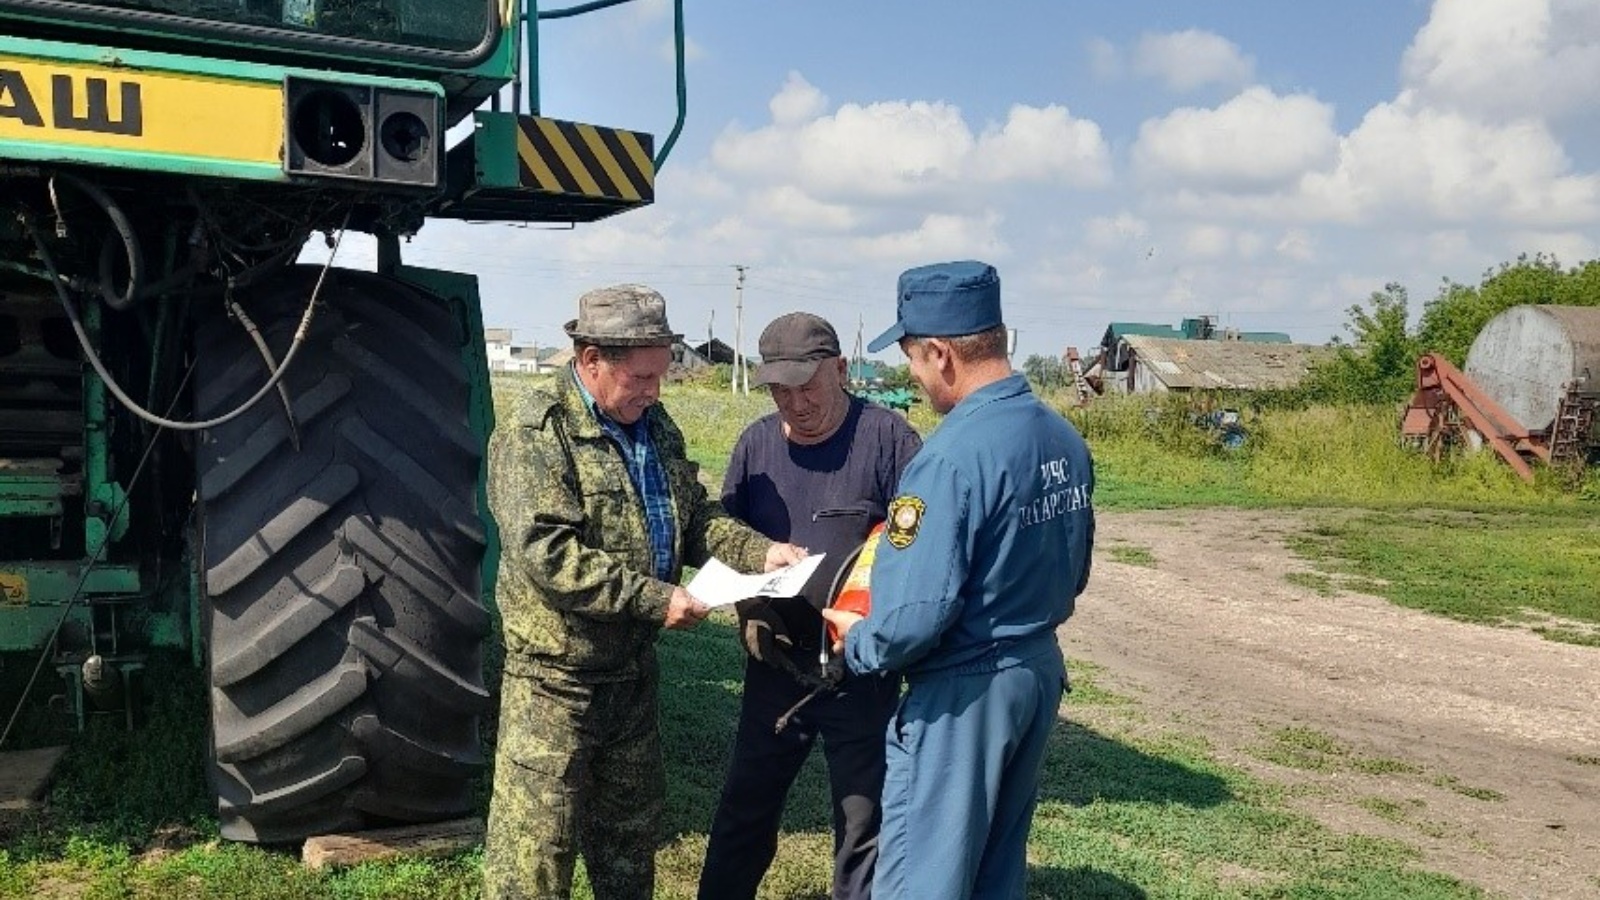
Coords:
pixel 986 549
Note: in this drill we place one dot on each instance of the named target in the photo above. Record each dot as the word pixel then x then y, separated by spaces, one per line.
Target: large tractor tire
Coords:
pixel 340 562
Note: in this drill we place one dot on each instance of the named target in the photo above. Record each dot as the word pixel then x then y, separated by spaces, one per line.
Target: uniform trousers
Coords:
pixel 578 768
pixel 850 721
pixel 965 752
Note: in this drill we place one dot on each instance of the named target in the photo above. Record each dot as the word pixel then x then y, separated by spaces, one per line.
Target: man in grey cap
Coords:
pixel 599 510
pixel 986 550
pixel 818 472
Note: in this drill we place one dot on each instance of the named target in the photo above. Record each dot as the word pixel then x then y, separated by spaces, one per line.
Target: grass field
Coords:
pixel 1124 813
pixel 1119 816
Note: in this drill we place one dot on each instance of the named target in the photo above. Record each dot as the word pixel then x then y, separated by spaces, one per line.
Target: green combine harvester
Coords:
pixel 210 447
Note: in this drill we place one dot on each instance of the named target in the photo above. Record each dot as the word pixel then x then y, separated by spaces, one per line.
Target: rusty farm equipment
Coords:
pixel 1450 410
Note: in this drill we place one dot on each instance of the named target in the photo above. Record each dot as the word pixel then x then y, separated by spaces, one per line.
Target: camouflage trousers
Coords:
pixel 578 769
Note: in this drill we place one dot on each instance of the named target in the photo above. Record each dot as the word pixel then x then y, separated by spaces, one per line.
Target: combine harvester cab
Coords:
pixel 277 467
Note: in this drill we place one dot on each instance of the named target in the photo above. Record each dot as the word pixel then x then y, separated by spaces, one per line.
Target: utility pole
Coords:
pixel 739 372
pixel 858 361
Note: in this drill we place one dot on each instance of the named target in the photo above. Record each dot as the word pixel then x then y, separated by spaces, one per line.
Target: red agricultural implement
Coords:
pixel 1448 404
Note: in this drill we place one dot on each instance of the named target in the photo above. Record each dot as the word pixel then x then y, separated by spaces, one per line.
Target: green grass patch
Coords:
pixel 1311 750
pixel 1084 682
pixel 1384 808
pixel 1379 765
pixel 1319 582
pixel 1493 566
pixel 1302 748
pixel 1568 635
pixel 1404 813
pixel 1450 782
pixel 1131 555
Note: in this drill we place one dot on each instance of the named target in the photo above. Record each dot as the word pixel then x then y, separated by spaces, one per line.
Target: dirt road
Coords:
pixel 1494 732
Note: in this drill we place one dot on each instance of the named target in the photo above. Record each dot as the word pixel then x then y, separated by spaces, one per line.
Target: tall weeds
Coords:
pixel 1157 450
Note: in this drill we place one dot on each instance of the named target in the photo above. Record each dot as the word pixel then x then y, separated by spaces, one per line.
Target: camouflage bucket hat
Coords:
pixel 625 315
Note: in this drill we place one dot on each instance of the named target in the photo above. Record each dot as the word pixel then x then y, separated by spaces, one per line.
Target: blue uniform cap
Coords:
pixel 944 300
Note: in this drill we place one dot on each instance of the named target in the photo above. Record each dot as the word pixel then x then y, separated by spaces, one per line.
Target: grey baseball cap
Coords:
pixel 792 347
pixel 624 315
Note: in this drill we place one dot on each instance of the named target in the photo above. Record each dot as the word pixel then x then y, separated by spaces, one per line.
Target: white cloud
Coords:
pixel 1447 246
pixel 1248 244
pixel 695 181
pixel 1254 142
pixel 893 151
pixel 939 236
pixel 1508 58
pixel 1569 247
pixel 1425 163
pixel 878 150
pixel 796 102
pixel 790 206
pixel 1122 230
pixel 1297 245
pixel 1036 144
pixel 1207 242
pixel 1188 60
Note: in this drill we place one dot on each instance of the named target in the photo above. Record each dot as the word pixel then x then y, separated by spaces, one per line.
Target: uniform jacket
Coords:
pixel 575 596
pixel 988 545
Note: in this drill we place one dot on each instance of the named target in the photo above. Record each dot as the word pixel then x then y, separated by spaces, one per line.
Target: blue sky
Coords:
pixel 1267 162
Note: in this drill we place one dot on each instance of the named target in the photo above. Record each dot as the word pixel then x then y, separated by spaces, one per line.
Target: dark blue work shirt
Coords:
pixel 988 541
pixel 824 496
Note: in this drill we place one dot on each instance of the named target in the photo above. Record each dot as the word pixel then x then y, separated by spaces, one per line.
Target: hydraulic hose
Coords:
pixel 108 252
pixel 116 390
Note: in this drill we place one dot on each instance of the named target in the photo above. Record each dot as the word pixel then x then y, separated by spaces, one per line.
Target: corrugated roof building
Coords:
pixel 1196 328
pixel 1176 364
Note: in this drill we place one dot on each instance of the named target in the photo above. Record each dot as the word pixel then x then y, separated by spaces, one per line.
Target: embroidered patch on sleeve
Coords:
pixel 905 517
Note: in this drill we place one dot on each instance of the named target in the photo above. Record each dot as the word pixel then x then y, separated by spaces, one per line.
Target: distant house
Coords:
pixel 1112 351
pixel 505 356
pixel 1143 364
pixel 687 359
pixel 715 352
pixel 560 359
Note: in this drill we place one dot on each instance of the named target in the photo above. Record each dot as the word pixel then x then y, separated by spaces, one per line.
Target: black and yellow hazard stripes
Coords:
pixel 585 160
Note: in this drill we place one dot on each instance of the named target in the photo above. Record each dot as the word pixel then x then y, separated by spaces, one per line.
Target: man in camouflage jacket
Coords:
pixel 586 583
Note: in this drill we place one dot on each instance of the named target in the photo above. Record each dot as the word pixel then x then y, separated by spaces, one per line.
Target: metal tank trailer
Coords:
pixel 1530 389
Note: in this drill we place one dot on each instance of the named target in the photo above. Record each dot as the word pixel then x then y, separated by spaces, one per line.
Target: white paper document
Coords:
pixel 718 585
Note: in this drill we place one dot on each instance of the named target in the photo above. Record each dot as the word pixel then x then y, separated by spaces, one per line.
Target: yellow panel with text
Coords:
pixel 143 111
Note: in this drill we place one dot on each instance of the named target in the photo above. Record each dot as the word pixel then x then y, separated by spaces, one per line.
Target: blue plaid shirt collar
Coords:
pixel 648 475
